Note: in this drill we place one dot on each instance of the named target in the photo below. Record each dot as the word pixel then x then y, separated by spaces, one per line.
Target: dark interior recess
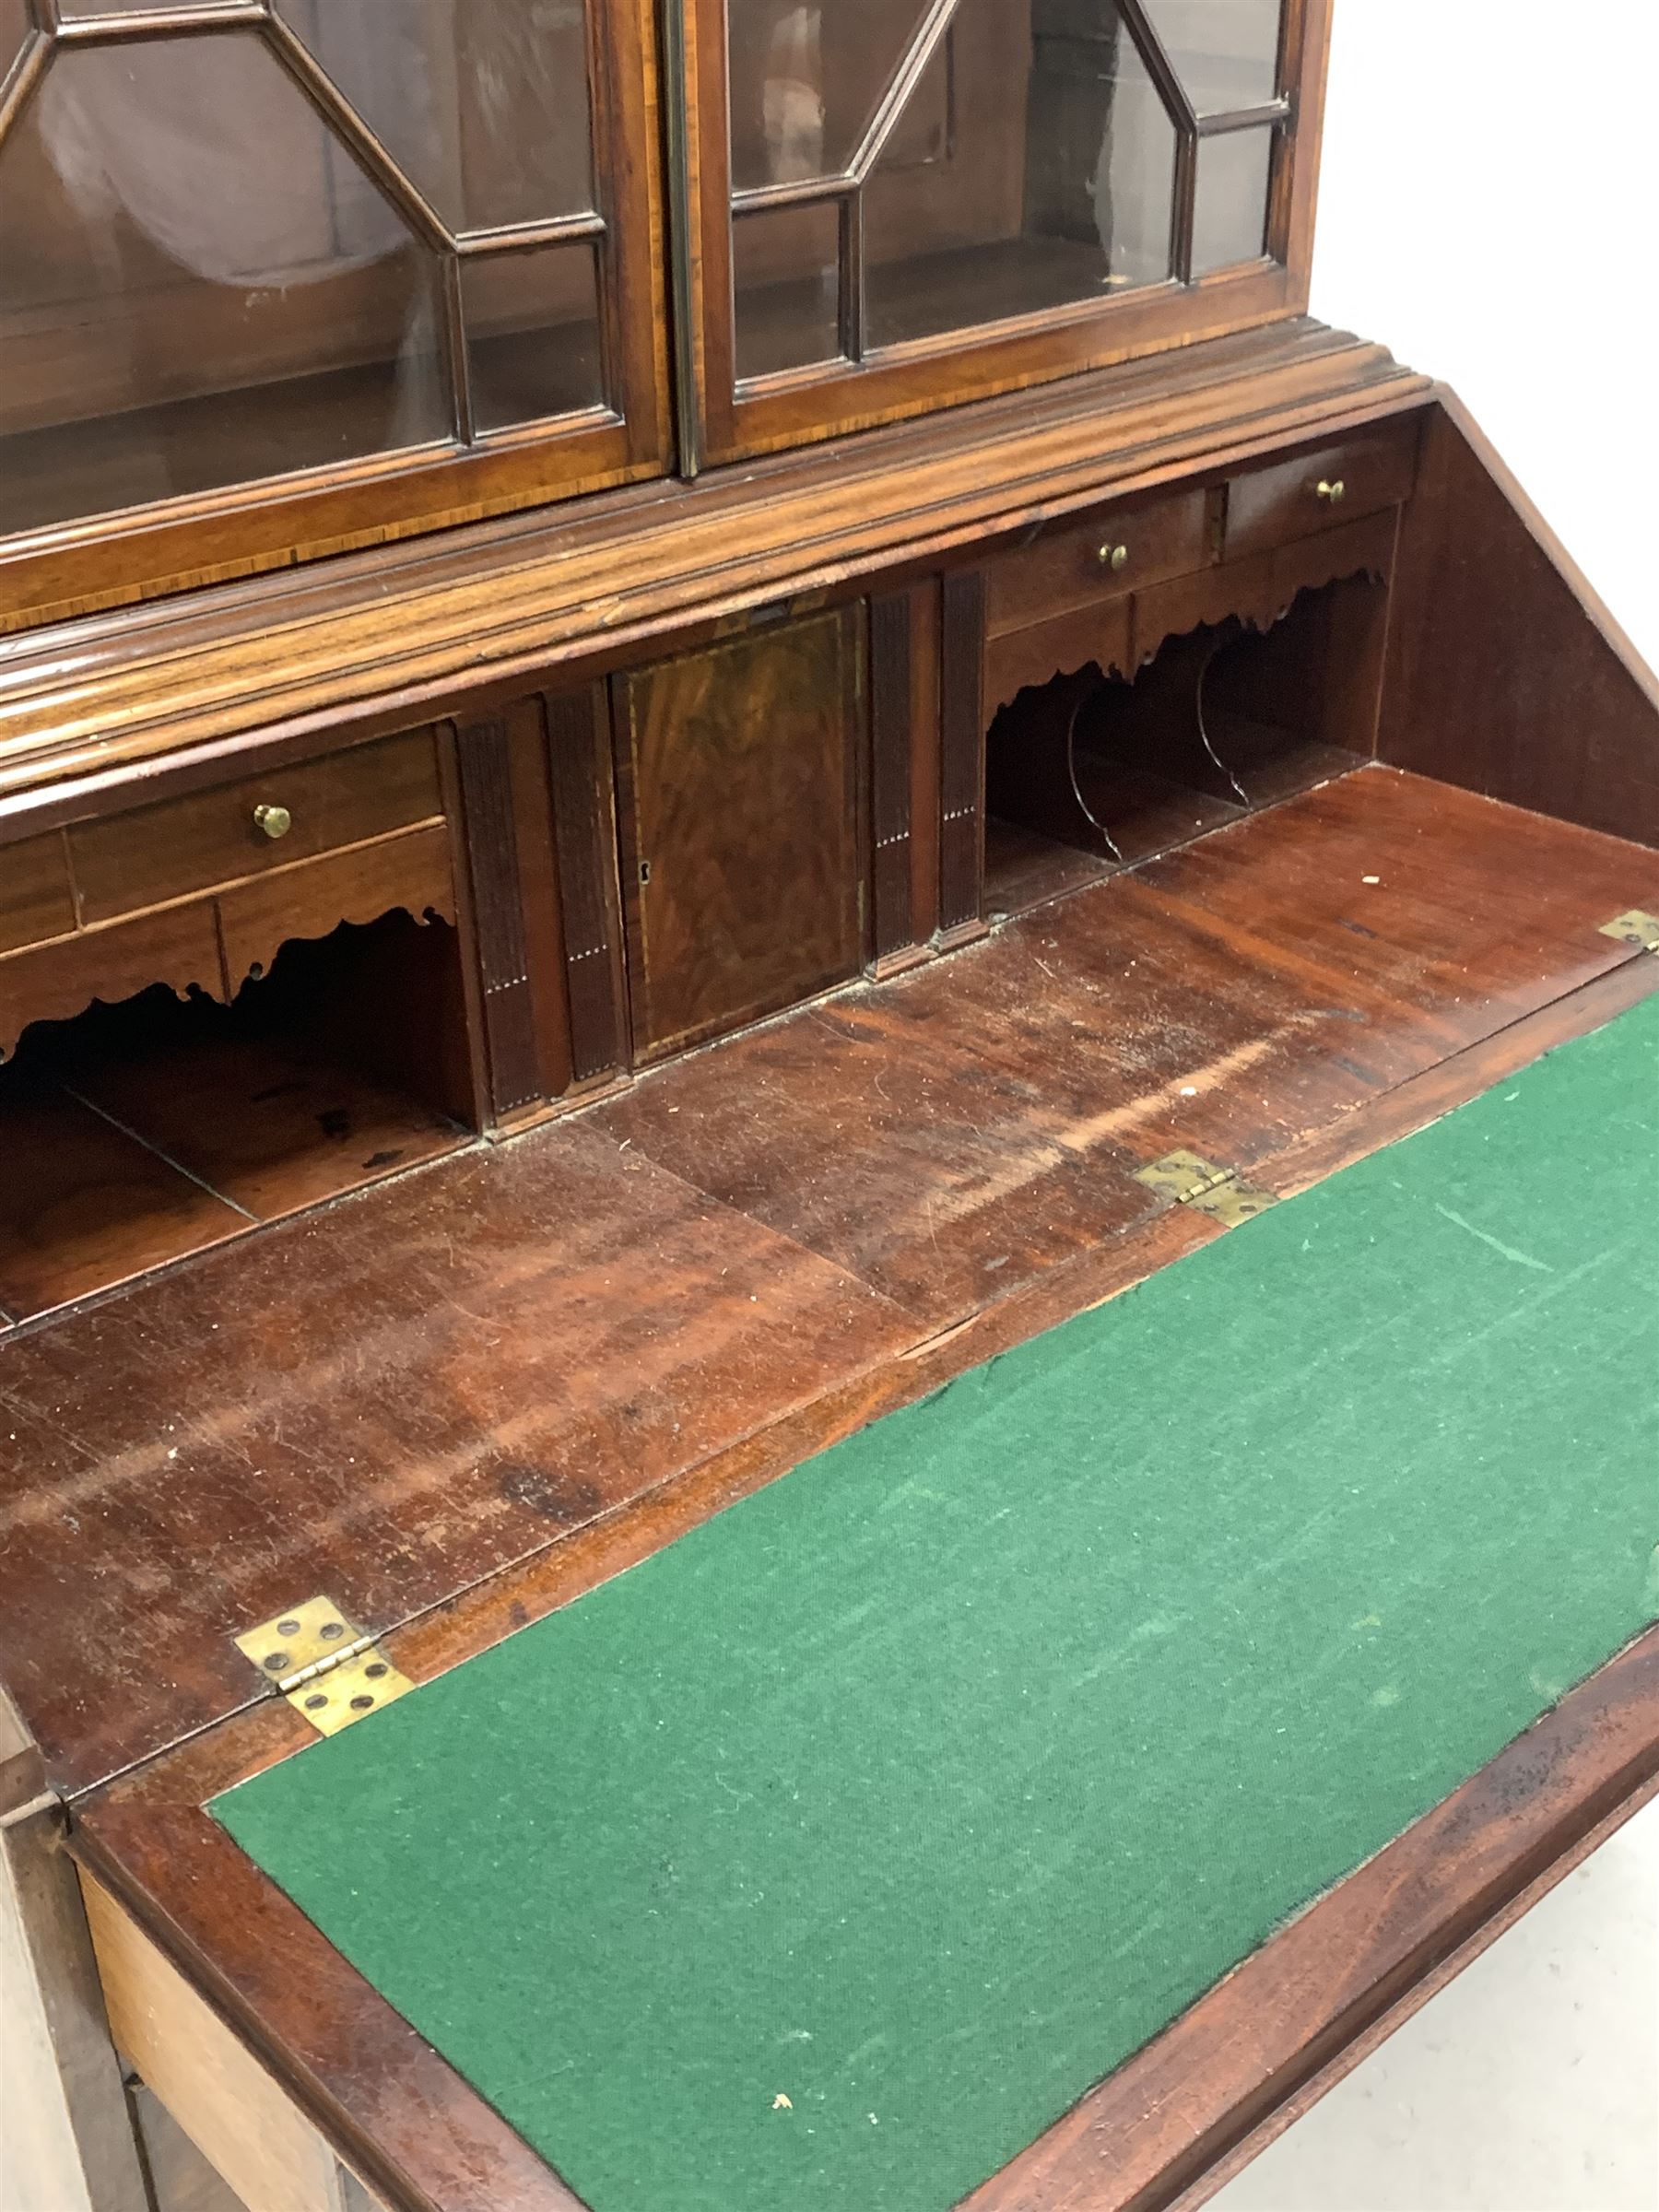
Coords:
pixel 1090 773
pixel 136 1132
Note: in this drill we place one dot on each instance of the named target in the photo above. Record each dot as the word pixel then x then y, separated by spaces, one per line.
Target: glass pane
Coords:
pixel 532 334
pixel 1054 183
pixel 1225 52
pixel 805 82
pixel 184 304
pixel 482 103
pixel 1234 172
pixel 785 273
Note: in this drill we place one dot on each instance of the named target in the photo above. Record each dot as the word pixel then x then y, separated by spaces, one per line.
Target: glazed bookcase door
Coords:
pixel 279 277
pixel 893 204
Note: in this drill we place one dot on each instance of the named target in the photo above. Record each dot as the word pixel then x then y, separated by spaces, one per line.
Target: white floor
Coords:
pixel 1530 2084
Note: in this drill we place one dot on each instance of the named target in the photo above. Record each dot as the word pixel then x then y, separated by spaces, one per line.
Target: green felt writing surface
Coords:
pixel 921 1788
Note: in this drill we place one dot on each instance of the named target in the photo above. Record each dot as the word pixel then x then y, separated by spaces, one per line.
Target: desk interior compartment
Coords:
pixel 133 1133
pixel 1092 773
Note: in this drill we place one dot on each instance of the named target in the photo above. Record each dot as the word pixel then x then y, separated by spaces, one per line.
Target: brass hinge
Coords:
pixel 1634 928
pixel 323 1665
pixel 1187 1179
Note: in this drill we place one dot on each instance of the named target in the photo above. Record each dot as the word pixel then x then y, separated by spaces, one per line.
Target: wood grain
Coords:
pixel 483 753
pixel 1260 590
pixel 579 760
pixel 1059 571
pixel 497 1349
pixel 1099 639
pixel 950 1134
pixel 961 747
pixel 741 791
pixel 925 640
pixel 1506 673
pixel 515 1344
pixel 180 2178
pixel 68 2141
pixel 891 750
pixel 168 851
pixel 382 638
pixel 268 1124
pixel 86 1205
pixel 178 946
pixel 36 898
pixel 429 1644
pixel 1413 1104
pixel 296 514
pixel 970 188
pixel 1273 506
pixel 408 870
pixel 248 2130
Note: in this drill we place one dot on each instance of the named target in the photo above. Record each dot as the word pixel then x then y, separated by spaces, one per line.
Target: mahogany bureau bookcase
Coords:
pixel 754 828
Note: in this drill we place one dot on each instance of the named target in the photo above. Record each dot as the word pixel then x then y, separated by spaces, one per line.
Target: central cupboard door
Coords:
pixel 740 786
pixel 897 205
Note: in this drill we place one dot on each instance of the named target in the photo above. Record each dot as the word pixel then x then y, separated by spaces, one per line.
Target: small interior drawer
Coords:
pixel 36 901
pixel 216 837
pixel 1362 475
pixel 1072 564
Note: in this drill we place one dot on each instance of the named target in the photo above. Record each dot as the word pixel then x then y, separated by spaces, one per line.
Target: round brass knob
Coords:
pixel 275 821
pixel 1336 493
pixel 1115 558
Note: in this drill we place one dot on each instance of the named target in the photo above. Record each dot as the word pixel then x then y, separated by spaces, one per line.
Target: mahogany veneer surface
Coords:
pixel 946 1134
pixel 84 1203
pixel 136 1158
pixel 400 1397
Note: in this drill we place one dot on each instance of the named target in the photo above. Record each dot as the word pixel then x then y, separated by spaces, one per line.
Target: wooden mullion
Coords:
pixel 849 273
pixel 1265 113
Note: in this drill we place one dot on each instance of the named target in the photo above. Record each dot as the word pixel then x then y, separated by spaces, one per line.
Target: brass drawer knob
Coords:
pixel 275 821
pixel 1333 493
pixel 1115 558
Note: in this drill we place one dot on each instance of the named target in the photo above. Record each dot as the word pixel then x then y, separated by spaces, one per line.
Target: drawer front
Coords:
pixel 215 837
pixel 1072 564
pixel 1294 499
pixel 35 899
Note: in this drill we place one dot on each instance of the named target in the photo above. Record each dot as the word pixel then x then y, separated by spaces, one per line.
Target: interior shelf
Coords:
pixel 138 1133
pixel 1091 773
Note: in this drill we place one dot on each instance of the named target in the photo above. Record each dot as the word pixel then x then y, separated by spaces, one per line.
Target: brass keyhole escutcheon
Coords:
pixel 272 821
pixel 1332 494
pixel 1115 558
pixel 644 871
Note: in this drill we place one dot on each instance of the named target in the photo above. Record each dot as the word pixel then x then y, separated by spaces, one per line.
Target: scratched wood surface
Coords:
pixel 1193 2107
pixel 945 1136
pixel 402 1396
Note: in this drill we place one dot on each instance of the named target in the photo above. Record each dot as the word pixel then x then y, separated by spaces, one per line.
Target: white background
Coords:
pixel 1491 211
